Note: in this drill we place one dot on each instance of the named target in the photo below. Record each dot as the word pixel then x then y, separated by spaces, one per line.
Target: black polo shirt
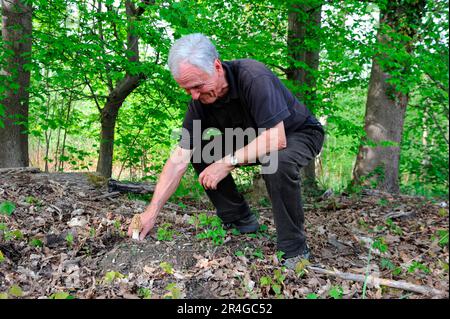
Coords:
pixel 256 98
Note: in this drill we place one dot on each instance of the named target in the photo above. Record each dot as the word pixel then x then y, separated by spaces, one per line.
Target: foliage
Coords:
pixel 211 228
pixel 164 232
pixel 7 208
pixel 80 54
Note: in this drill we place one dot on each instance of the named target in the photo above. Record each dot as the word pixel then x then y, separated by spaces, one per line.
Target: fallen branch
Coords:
pixel 107 195
pixel 375 281
pixel 12 170
pixel 137 188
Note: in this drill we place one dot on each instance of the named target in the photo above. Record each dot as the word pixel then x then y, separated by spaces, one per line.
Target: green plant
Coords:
pixel 380 244
pixel 393 227
pixel 312 296
pixel 12 234
pixel 33 201
pixel 212 228
pixel 415 265
pixel 36 242
pixel 441 236
pixel 144 293
pixel 15 291
pixel 258 253
pixel 164 232
pixel 275 283
pixel 69 240
pixel 173 292
pixel 118 226
pixel 2 258
pixel 389 265
pixel 336 292
pixel 7 208
pixel 61 295
pixel 300 267
pixel 166 267
pixel 279 254
pixel 110 276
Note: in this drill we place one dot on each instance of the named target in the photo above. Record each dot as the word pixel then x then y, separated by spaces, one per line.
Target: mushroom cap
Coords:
pixel 136 222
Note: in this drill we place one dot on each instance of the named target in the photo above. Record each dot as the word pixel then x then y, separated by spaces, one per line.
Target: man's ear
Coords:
pixel 218 65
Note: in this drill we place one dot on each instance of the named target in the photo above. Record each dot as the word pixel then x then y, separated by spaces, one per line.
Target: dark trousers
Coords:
pixel 283 187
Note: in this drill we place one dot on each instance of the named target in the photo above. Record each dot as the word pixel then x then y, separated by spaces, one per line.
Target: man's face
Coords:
pixel 199 84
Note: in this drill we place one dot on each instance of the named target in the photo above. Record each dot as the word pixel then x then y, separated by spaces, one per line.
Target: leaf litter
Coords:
pixel 64 239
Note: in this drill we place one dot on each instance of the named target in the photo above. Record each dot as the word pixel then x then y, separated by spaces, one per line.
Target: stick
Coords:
pixel 137 188
pixel 375 281
pixel 12 170
pixel 107 195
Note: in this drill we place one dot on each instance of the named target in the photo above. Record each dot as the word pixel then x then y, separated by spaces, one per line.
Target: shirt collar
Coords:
pixel 232 89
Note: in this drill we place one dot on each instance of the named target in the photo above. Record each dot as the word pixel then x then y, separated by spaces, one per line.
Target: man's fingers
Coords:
pixel 201 177
pixel 144 233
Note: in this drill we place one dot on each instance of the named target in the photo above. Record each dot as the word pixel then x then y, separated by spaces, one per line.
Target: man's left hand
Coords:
pixel 214 173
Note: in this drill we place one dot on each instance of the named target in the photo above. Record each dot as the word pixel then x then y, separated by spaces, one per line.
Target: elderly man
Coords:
pixel 240 94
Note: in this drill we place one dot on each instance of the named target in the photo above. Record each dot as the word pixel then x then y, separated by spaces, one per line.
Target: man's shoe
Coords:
pixel 292 262
pixel 245 225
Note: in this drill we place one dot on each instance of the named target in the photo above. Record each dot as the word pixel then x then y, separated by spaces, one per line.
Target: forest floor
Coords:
pixel 62 239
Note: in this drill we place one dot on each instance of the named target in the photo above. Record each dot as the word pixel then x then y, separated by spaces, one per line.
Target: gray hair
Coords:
pixel 195 49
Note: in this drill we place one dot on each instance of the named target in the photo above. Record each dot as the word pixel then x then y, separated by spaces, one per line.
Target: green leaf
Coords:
pixel 3 295
pixel 276 288
pixel 111 276
pixel 336 292
pixel 312 296
pixel 2 258
pixel 166 267
pixel 36 243
pixel 265 281
pixel 15 291
pixel 61 295
pixel 7 208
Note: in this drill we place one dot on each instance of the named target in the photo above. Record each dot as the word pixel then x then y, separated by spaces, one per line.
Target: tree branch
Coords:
pixel 375 281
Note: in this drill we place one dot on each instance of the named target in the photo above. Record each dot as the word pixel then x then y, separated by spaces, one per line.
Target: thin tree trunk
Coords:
pixel 304 22
pixel 377 163
pixel 16 34
pixel 121 91
pixel 61 161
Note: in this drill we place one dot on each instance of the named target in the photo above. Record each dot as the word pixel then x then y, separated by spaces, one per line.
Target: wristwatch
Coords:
pixel 233 160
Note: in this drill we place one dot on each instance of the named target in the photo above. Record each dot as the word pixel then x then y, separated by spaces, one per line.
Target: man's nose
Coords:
pixel 194 93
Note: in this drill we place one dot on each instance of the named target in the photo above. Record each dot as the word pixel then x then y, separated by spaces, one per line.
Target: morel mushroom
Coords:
pixel 136 226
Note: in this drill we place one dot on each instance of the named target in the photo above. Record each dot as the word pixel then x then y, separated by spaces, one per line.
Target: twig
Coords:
pixel 107 195
pixel 12 170
pixel 375 281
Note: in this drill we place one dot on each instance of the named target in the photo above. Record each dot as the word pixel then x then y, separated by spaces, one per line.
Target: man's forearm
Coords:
pixel 167 184
pixel 270 140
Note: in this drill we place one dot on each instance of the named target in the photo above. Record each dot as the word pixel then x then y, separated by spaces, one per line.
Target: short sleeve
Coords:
pixel 266 101
pixel 186 140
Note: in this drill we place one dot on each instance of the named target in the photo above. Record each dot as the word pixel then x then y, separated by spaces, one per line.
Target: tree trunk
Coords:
pixel 108 120
pixel 377 163
pixel 16 34
pixel 304 22
pixel 121 91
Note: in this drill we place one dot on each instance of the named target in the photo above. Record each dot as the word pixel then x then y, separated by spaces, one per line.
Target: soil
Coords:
pixel 66 239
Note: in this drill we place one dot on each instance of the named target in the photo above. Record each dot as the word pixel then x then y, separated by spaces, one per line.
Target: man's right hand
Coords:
pixel 148 221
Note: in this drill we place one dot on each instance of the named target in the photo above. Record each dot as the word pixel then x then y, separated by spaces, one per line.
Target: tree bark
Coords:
pixel 304 22
pixel 377 163
pixel 16 35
